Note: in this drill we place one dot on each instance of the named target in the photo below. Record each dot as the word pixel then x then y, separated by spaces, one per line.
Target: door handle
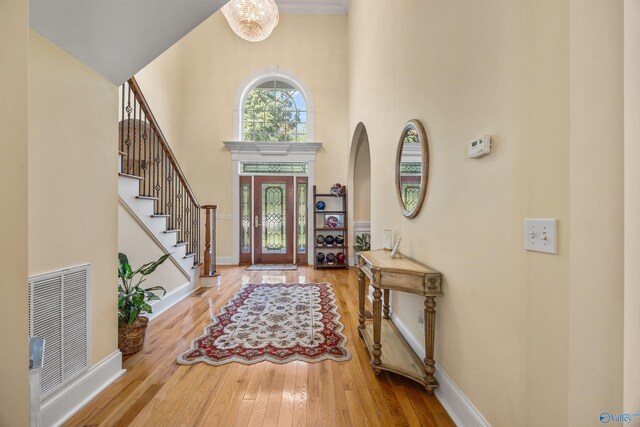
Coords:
pixel 256 222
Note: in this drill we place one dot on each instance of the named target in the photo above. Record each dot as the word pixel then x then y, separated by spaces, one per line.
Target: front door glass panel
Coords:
pixel 245 212
pixel 274 218
pixel 302 217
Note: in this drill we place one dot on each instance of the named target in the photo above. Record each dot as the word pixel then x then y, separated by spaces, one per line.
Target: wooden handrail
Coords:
pixel 133 84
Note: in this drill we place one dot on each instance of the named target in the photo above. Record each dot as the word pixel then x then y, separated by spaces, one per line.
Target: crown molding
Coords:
pixel 321 7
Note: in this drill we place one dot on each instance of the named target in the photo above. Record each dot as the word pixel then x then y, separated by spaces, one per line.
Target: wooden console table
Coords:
pixel 400 274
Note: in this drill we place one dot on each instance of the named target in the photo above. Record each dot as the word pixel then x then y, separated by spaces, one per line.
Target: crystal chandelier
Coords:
pixel 253 20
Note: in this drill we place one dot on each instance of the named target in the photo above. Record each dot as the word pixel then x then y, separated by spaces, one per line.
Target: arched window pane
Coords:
pixel 275 111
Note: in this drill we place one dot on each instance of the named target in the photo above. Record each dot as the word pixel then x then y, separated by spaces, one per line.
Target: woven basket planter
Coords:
pixel 131 337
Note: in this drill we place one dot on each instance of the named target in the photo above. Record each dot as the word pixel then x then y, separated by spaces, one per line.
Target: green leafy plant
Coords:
pixel 133 300
pixel 363 242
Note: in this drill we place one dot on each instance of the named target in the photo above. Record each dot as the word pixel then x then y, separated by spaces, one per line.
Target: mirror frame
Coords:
pixel 424 179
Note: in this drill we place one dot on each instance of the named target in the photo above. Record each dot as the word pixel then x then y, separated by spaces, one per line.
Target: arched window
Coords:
pixel 275 110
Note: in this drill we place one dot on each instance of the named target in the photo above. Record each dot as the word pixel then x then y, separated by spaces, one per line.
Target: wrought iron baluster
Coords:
pixel 145 160
pixel 163 184
pixel 179 212
pixel 169 196
pixel 176 206
pixel 197 231
pixel 135 134
pixel 121 125
pixel 152 177
pixel 171 205
pixel 128 141
pixel 185 208
pixel 187 217
pixel 156 161
pixel 140 123
pixel 194 212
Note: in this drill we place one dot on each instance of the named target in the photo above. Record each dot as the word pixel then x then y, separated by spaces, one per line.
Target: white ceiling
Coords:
pixel 118 38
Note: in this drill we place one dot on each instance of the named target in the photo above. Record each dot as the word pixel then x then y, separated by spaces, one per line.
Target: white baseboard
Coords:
pixel 224 260
pixel 169 300
pixel 62 405
pixel 455 402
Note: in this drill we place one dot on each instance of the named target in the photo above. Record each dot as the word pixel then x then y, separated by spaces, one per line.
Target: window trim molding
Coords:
pixel 264 75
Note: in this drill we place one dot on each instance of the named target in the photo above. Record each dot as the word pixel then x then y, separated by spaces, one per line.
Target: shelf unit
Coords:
pixel 336 205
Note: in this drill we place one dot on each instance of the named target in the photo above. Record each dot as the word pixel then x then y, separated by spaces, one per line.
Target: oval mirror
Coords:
pixel 412 168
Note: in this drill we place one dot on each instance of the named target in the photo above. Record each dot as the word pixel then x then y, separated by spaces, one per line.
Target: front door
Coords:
pixel 273 219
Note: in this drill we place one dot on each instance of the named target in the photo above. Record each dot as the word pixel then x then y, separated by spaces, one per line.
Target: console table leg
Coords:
pixel 361 297
pixel 429 338
pixel 377 326
pixel 385 306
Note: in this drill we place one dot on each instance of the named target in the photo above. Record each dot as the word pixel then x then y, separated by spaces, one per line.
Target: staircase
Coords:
pixel 153 188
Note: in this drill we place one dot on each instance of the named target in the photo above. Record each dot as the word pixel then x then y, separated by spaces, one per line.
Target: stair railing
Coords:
pixel 147 155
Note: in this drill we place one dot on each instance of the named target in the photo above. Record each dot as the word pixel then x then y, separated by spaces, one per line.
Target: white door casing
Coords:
pixel 268 152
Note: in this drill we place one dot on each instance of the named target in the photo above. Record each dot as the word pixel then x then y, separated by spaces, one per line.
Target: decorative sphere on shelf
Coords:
pixel 320 240
pixel 320 205
pixel 339 239
pixel 319 258
pixel 331 258
pixel 341 258
pixel 329 240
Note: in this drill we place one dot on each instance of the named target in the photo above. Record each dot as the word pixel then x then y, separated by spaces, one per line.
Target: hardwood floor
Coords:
pixel 156 391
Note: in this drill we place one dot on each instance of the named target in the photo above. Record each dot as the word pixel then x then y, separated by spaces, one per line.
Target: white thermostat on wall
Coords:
pixel 480 147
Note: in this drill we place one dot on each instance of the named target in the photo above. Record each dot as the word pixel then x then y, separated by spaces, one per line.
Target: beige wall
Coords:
pixel 466 84
pixel 162 83
pixel 544 166
pixel 632 207
pixel 596 204
pixel 215 64
pixel 73 192
pixel 134 241
pixel 14 33
pixel 514 326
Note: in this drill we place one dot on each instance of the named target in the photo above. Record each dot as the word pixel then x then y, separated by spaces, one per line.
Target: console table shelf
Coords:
pixel 388 348
pixel 398 356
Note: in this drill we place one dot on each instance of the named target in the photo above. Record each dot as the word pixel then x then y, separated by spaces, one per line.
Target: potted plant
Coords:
pixel 133 301
pixel 363 243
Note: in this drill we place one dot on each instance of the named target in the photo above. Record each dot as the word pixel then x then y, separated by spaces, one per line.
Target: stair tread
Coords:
pixel 189 254
pixel 126 175
pixel 160 216
pixel 181 244
pixel 175 230
pixel 122 153
pixel 146 197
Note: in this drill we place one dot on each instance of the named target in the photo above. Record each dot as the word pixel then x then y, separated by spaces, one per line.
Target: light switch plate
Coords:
pixel 540 235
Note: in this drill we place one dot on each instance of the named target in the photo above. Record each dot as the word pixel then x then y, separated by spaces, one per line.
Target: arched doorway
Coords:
pixel 360 185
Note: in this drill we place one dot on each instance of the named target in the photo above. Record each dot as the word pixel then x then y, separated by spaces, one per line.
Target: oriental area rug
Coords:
pixel 278 323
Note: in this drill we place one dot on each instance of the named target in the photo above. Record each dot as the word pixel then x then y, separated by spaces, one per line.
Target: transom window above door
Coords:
pixel 275 111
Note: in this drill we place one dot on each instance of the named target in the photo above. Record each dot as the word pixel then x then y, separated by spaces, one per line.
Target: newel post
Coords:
pixel 210 241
